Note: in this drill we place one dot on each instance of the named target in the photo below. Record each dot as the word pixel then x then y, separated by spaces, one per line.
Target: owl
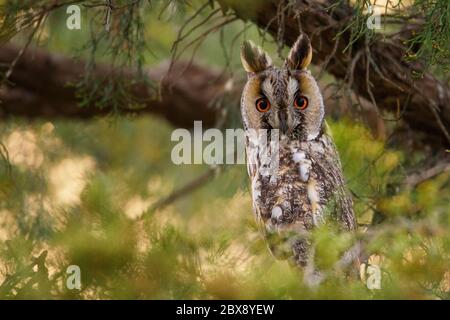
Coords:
pixel 305 189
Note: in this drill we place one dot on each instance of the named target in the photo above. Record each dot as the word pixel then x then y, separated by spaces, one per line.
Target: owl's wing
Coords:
pixel 307 188
pixel 259 187
pixel 253 162
pixel 340 202
pixel 343 211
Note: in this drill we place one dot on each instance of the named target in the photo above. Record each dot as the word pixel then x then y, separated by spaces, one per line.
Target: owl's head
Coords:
pixel 286 98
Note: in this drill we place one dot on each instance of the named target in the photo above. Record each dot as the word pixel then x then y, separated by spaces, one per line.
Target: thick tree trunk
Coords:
pixel 422 103
pixel 39 86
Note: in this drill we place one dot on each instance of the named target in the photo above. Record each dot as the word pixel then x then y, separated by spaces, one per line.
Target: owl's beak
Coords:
pixel 282 116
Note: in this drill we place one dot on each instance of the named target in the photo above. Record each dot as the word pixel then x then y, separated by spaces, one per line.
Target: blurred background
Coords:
pixel 86 176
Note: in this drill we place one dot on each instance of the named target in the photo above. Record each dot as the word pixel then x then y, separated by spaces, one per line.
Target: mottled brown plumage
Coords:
pixel 306 188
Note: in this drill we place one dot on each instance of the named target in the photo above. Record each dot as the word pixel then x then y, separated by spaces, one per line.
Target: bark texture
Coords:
pixel 40 86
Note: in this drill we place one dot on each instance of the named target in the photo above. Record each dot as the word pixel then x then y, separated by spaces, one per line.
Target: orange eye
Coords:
pixel 262 105
pixel 301 102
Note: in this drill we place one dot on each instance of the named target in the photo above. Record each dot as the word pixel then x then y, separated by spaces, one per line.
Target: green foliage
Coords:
pixel 432 42
pixel 206 245
pixel 81 193
pixel 428 23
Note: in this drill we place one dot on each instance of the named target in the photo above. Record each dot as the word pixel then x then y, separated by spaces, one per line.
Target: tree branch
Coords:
pixel 389 82
pixel 40 86
pixel 424 174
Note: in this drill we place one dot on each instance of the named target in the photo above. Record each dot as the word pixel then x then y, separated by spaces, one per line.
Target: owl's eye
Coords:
pixel 262 105
pixel 301 102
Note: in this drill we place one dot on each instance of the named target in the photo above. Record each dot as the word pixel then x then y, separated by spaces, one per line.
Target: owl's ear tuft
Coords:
pixel 253 58
pixel 300 55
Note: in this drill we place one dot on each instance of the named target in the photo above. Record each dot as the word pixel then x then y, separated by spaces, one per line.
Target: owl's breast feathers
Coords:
pixel 306 190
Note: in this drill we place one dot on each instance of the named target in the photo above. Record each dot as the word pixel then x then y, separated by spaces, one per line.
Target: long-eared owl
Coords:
pixel 306 188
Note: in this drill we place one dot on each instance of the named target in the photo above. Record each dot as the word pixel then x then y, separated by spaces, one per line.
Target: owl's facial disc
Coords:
pixel 287 99
pixel 296 107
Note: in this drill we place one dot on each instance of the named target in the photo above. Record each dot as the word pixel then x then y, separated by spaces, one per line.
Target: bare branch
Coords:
pixel 415 179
